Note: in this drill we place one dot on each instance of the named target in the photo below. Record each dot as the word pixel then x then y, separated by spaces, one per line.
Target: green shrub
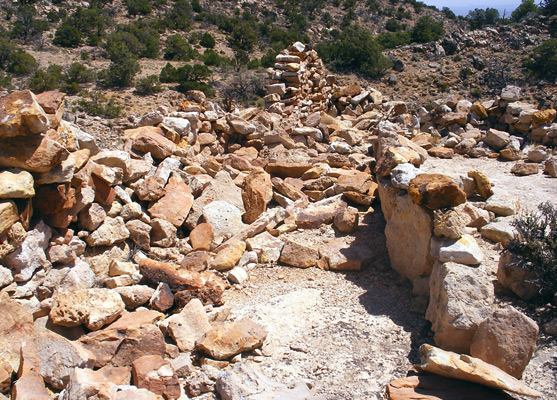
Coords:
pixel 48 79
pixel 479 18
pixel 475 92
pixel 22 63
pixel 448 13
pixel 122 69
pixel 536 242
pixel 79 73
pixel 549 7
pixel 390 40
pixel 179 16
pixel 207 41
pixel 355 49
pixel 268 60
pixel 212 58
pixel 427 30
pixel 542 61
pixel 26 27
pixel 5 80
pixel 527 6
pixel 148 85
pixel 95 103
pixel 7 49
pixel 243 37
pixel 67 36
pixel 178 49
pixel 136 7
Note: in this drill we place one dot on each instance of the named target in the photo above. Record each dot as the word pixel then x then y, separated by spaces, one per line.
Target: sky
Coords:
pixel 462 7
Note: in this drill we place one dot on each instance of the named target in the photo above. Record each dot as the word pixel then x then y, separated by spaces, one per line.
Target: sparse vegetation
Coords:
pixel 96 103
pixel 536 243
pixel 542 61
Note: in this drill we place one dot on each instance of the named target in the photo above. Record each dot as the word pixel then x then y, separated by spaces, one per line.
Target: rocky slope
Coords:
pixel 212 241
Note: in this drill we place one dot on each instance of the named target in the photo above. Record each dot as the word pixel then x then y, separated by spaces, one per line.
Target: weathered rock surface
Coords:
pixel 21 115
pixel 461 298
pixel 231 339
pixel 435 191
pixel 506 339
pixel 155 374
pixel 189 325
pixel 451 365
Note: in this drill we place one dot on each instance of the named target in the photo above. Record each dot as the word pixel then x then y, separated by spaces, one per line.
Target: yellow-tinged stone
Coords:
pixel 16 184
pixel 8 215
pixel 543 117
pixel 483 185
pixel 229 256
pixel 461 366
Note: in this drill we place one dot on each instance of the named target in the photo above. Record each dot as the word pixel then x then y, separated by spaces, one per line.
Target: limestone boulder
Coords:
pixel 506 339
pixel 58 357
pixel 140 233
pixel 155 374
pixel 135 295
pixel 496 139
pixel 92 307
pixel 267 247
pixel 435 191
pixel 133 335
pixel 232 338
pixel 16 184
pixel 502 205
pixel 522 168
pixel 8 215
pixel 149 139
pixel 408 233
pixel 221 188
pixel 187 327
pixel 112 230
pixel 30 256
pixel 34 153
pixel 22 115
pixel 499 230
pixel 449 223
pixel 224 218
pixel 92 216
pixel 461 366
pixel 519 276
pixel 163 233
pixel 174 206
pixel 298 255
pixel 16 326
pixel 256 194
pixel 464 250
pixel 85 383
pixel 461 297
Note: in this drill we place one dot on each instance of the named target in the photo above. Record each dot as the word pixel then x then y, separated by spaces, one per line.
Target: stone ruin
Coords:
pixel 113 262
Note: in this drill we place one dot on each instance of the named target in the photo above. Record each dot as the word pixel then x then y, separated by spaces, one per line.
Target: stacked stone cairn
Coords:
pixel 113 262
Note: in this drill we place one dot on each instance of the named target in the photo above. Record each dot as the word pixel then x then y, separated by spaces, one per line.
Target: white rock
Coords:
pixel 181 126
pixel 462 251
pixel 502 205
pixel 113 230
pixel 224 218
pixel 402 174
pixel 238 275
pixel 30 256
pixel 189 325
pixel 499 230
pixel 5 276
pixel 16 184
pixel 266 246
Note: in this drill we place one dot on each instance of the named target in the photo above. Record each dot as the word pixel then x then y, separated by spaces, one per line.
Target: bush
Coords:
pixel 122 69
pixel 178 49
pixel 148 85
pixel 48 79
pixel 427 30
pixel 390 40
pixel 207 41
pixel 179 16
pixel 212 58
pixel 5 80
pixel 136 7
pixel 355 49
pixel 97 104
pixel 536 242
pixel 542 61
pixel 7 49
pixel 27 27
pixel 22 63
pixel 243 37
pixel 549 7
pixel 67 36
pixel 527 6
pixel 479 18
pixel 393 25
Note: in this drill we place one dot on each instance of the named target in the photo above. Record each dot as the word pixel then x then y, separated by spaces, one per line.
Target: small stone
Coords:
pixel 347 220
pixel 8 215
pixel 551 167
pixel 224 218
pixel 92 217
pixel 140 233
pixel 497 140
pixel 257 193
pixel 113 230
pixel 341 255
pixel 174 206
pixel 228 257
pixel 237 275
pixel 465 250
pixel 449 223
pixel 163 233
pixel 187 327
pixel 499 231
pixel 402 174
pixel 162 299
pixel 483 185
pixel 201 237
pixel 135 295
pixel 267 247
pixel 522 168
pixel 21 115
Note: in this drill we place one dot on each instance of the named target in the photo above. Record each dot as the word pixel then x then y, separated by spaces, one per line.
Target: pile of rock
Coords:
pixel 108 256
pixel 299 82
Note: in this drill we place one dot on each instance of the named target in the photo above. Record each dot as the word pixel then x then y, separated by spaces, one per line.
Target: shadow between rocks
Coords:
pixel 386 292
